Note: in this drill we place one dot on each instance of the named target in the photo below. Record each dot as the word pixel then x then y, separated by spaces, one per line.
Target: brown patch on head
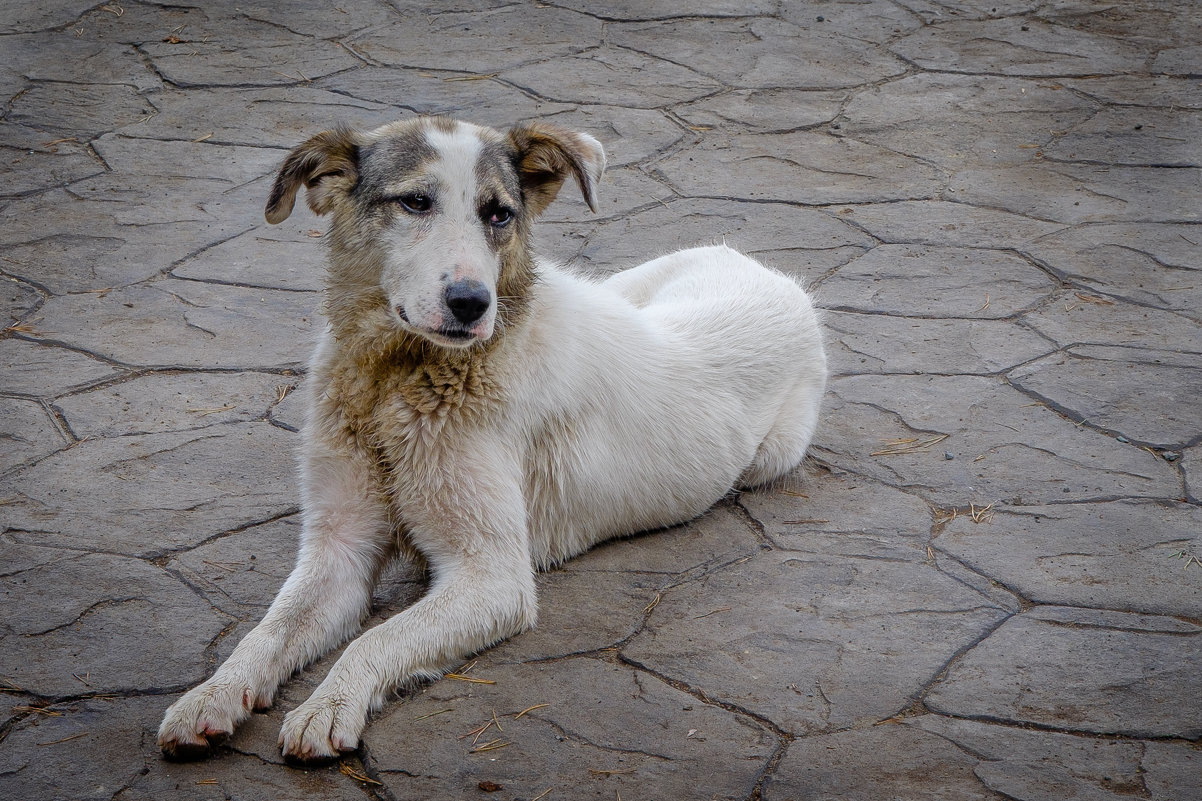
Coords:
pixel 440 123
pixel 547 154
pixel 326 164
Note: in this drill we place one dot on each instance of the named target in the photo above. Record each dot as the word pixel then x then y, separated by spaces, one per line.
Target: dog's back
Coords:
pixel 652 393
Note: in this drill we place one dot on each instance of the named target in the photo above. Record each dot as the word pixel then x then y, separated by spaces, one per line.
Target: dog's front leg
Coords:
pixel 344 542
pixel 482 591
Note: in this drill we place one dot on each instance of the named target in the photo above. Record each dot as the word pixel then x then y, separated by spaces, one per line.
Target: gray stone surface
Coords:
pixel 1079 381
pixel 1104 672
pixel 1116 555
pixel 984 584
pixel 928 282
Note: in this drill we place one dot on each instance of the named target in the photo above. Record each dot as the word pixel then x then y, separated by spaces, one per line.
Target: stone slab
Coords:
pixel 1191 466
pixel 1024 763
pixel 761 53
pixel 69 630
pixel 39 16
pixel 321 22
pixel 257 117
pixel 937 282
pixel 60 57
pixel 650 82
pixel 1141 90
pixel 1005 448
pixel 17 300
pixel 623 192
pixel 156 493
pixel 1131 393
pixel 944 222
pixel 1172 770
pixel 1018 45
pixel 765 110
pixel 271 257
pixel 289 413
pixel 1074 317
pixel 178 323
pixel 70 109
pixel 27 433
pixel 809 167
pixel 824 649
pixel 952 120
pixel 608 729
pixel 104 739
pixel 718 537
pixel 860 765
pixel 1081 670
pixel 156 403
pixel 486 101
pixel 1146 263
pixel 248 54
pixel 497 39
pixel 1125 555
pixel 641 10
pixel 1133 137
pixel 31 368
pixel 37 160
pixel 870 343
pixel 240 573
pixel 876 21
pixel 1084 193
pixel 607 246
pixel 825 512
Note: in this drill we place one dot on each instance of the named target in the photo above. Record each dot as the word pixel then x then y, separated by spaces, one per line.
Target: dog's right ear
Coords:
pixel 327 165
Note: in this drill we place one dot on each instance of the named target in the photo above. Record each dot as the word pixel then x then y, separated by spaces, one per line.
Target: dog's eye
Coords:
pixel 415 203
pixel 500 217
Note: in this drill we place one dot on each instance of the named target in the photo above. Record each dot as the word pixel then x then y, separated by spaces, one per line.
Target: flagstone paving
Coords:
pixel 985 585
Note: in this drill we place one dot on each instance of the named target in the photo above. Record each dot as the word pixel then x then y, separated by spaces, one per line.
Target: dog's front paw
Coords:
pixel 206 713
pixel 322 727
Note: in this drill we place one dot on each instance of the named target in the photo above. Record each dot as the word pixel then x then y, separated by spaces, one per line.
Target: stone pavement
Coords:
pixel 987 586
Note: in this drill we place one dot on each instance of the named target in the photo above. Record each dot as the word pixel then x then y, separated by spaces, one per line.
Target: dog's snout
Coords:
pixel 468 300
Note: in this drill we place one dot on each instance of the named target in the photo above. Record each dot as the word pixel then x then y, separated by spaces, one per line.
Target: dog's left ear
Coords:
pixel 546 154
pixel 327 165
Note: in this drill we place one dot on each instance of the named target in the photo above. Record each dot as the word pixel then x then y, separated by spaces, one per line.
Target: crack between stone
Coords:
pixel 101 604
pixel 700 695
pixel 1081 421
pixel 920 694
pixel 161 557
pixel 1029 725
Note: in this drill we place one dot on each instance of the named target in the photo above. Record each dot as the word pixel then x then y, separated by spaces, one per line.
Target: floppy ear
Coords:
pixel 327 165
pixel 546 154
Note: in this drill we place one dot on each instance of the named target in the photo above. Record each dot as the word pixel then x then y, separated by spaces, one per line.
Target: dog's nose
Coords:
pixel 468 300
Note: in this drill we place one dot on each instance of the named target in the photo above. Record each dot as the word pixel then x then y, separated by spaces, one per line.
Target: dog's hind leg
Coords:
pixel 344 543
pixel 786 443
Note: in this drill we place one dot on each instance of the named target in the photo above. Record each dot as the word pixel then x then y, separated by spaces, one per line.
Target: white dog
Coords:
pixel 491 415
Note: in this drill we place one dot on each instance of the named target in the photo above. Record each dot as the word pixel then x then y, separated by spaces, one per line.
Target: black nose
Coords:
pixel 468 300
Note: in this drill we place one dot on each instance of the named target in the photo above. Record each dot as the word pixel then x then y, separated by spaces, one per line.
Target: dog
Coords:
pixel 489 415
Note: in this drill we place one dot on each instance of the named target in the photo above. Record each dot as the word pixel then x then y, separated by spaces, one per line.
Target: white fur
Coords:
pixel 629 404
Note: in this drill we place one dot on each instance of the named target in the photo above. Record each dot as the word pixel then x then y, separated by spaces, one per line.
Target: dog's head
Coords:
pixel 437 211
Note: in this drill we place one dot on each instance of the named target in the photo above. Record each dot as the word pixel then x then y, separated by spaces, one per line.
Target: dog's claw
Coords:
pixel 321 729
pixel 178 751
pixel 204 717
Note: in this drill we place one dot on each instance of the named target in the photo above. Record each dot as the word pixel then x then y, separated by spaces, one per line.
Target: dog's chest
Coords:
pixel 400 411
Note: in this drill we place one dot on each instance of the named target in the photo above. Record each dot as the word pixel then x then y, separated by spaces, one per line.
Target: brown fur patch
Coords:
pixel 547 154
pixel 325 163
